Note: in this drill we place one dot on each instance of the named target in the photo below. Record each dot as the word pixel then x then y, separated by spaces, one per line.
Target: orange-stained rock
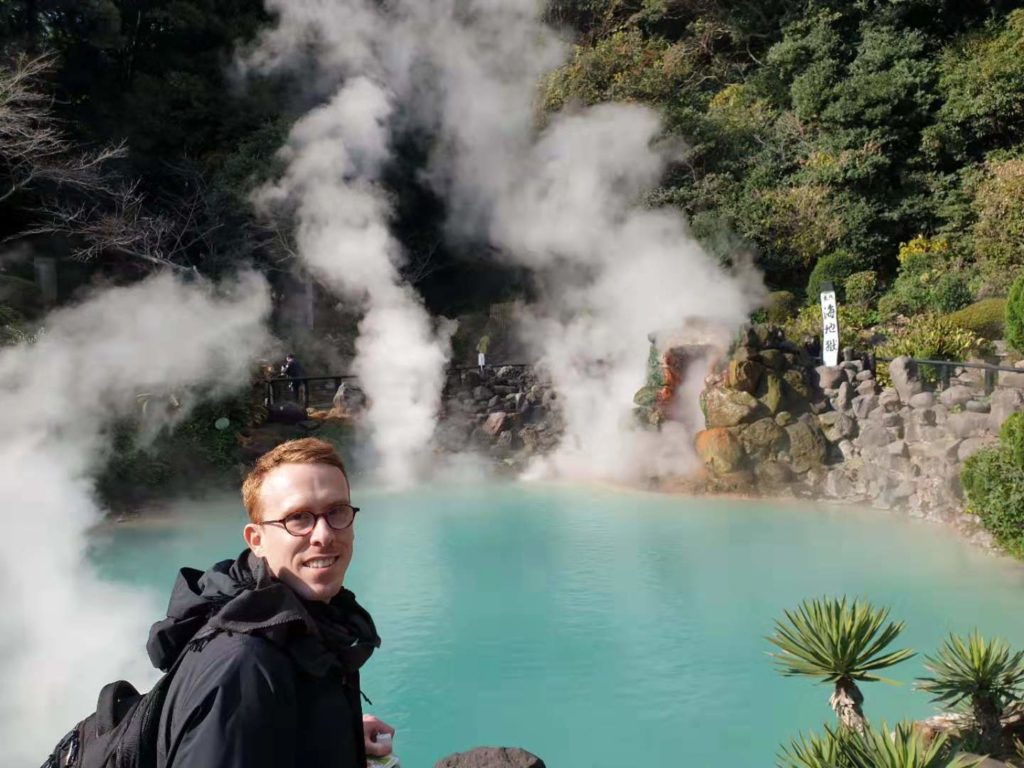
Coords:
pixel 719 449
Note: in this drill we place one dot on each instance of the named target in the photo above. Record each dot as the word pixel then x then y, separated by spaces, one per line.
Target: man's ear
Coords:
pixel 253 536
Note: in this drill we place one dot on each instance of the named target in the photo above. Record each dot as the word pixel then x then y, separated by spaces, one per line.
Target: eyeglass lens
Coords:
pixel 304 522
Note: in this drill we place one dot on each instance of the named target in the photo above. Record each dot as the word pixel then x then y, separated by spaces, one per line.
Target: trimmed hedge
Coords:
pixel 836 267
pixel 985 318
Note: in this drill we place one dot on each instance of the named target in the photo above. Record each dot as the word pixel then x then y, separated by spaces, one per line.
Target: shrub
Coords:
pixel 934 337
pixel 993 480
pixel 985 318
pixel 836 266
pixel 949 292
pixel 854 322
pixel 928 279
pixel 999 230
pixel 862 287
pixel 1015 315
pixel 781 307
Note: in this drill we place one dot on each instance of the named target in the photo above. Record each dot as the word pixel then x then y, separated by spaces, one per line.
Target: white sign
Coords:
pixel 829 326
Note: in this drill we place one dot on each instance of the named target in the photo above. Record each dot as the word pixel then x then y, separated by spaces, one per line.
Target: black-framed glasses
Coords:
pixel 302 523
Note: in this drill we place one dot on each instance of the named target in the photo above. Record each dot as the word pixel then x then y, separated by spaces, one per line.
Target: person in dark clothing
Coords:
pixel 293 370
pixel 272 641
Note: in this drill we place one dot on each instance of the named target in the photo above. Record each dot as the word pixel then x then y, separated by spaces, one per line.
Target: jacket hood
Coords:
pixel 242 596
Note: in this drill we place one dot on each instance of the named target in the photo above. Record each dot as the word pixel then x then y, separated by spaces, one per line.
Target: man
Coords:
pixel 272 642
pixel 292 369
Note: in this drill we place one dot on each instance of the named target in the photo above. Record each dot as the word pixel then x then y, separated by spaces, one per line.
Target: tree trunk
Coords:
pixel 986 715
pixel 846 701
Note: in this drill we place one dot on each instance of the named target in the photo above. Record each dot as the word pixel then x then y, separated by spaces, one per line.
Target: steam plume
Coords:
pixel 563 201
pixel 65 632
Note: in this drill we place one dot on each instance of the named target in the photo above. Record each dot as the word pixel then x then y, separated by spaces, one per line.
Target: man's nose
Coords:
pixel 322 532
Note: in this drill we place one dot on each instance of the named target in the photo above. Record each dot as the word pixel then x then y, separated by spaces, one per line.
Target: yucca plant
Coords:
pixel 874 748
pixel 841 643
pixel 831 750
pixel 905 747
pixel 981 671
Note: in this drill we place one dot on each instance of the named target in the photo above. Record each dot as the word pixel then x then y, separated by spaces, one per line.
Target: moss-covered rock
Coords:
pixel 807 446
pixel 797 383
pixel 771 394
pixel 763 440
pixel 729 407
pixel 745 375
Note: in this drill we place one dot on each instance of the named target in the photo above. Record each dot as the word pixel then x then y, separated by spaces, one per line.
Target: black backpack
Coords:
pixel 122 732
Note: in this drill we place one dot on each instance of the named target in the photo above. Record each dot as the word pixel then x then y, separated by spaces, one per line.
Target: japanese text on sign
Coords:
pixel 829 328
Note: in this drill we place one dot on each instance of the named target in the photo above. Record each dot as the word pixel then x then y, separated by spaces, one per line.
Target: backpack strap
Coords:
pixel 113 702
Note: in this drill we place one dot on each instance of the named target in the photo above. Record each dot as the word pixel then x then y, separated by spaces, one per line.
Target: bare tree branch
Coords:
pixel 33 147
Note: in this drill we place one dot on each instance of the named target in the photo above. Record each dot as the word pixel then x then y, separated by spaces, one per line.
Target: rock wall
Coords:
pixel 775 423
pixel 510 413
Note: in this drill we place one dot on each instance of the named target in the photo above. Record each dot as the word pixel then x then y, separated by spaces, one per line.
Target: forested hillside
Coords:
pixel 879 139
pixel 832 138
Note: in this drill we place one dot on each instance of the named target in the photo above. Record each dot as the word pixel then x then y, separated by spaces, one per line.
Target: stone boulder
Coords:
pixel 956 395
pixel 1005 402
pixel 867 387
pixel 829 377
pixel 807 446
pixel 905 377
pixel 495 423
pixel 772 396
pixel 773 474
pixel 491 757
pixel 348 398
pixel 864 405
pixel 762 440
pixel 796 382
pixel 844 397
pixel 720 450
pixel 967 424
pixel 729 407
pixel 837 426
pixel 745 375
pixel 922 400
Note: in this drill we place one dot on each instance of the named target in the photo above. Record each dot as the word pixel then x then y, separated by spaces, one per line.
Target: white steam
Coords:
pixel 65 632
pixel 563 200
pixel 335 155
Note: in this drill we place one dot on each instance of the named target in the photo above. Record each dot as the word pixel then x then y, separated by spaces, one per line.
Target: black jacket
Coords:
pixel 267 680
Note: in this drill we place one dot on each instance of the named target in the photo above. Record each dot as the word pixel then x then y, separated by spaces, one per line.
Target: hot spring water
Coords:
pixel 602 628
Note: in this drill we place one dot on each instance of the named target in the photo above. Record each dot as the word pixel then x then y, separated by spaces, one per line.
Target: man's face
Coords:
pixel 313 565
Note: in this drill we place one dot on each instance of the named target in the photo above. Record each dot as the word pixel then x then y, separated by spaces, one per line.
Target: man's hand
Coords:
pixel 371 727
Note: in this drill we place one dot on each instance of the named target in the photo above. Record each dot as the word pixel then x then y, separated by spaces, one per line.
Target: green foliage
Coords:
pixel 861 288
pixel 998 233
pixel 781 307
pixel 1015 315
pixel 928 280
pixel 836 267
pixel 986 318
pixel 193 450
pixel 993 481
pixel 905 747
pixel 981 84
pixel 934 337
pixel 655 370
pixel 976 669
pixel 834 640
pixel 854 324
pixel 832 750
pixel 13 329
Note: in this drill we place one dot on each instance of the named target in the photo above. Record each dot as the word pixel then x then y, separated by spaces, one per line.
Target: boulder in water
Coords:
pixel 492 757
